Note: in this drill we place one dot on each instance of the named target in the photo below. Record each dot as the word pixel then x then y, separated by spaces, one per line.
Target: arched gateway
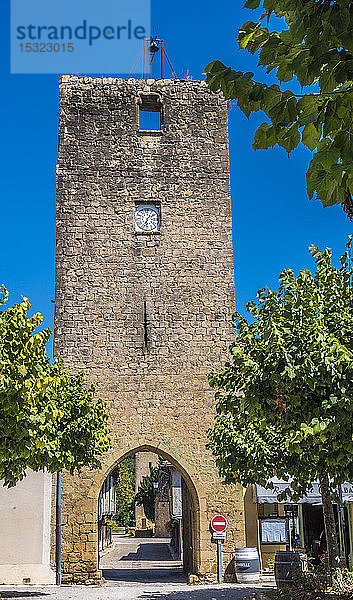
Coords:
pixel 191 502
pixel 144 288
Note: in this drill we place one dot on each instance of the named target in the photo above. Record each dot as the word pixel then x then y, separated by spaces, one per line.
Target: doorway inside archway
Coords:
pixel 147 521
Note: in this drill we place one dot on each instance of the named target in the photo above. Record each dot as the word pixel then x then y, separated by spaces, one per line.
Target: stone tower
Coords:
pixel 145 290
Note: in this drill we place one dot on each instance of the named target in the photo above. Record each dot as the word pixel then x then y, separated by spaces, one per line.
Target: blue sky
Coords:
pixel 273 221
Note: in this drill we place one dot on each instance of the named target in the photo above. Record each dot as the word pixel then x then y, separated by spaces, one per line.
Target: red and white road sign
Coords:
pixel 219 523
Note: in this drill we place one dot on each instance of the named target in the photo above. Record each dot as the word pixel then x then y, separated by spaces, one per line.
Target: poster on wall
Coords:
pixel 274 531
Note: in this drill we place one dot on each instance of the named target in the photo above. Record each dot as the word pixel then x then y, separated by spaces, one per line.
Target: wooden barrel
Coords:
pixel 285 563
pixel 247 565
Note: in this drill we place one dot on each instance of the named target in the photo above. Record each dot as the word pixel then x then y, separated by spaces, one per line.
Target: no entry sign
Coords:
pixel 219 523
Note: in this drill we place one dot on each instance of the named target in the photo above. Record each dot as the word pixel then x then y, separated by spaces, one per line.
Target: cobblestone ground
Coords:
pixel 137 569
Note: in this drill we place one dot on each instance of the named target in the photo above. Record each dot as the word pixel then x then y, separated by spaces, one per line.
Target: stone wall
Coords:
pixel 115 286
pixel 143 460
pixel 162 518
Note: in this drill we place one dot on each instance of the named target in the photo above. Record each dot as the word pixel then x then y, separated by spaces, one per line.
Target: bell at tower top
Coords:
pixel 145 134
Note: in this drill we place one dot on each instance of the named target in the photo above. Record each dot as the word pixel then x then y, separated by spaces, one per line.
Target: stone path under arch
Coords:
pixel 144 560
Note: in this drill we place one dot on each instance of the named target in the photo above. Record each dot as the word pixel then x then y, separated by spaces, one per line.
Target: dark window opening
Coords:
pixel 150 113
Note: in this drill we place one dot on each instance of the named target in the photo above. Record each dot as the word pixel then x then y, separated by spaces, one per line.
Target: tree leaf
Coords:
pixel 310 136
pixel 252 4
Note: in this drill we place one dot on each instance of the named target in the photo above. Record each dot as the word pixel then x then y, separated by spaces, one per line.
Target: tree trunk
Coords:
pixel 330 525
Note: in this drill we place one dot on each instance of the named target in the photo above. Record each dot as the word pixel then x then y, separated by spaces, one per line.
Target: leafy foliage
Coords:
pixel 48 418
pixel 316 48
pixel 125 494
pixel 315 583
pixel 146 493
pixel 292 375
pixel 285 403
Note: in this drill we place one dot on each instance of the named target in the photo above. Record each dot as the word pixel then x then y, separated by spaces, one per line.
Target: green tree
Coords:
pixel 48 417
pixel 315 49
pixel 125 494
pixel 285 401
pixel 146 493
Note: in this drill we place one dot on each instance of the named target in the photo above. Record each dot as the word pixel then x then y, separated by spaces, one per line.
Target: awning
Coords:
pixel 313 497
pixel 270 496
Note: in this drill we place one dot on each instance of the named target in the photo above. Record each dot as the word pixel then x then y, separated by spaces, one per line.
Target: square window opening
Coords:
pixel 150 113
pixel 149 121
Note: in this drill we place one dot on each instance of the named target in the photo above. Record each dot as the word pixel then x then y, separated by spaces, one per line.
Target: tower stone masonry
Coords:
pixel 144 301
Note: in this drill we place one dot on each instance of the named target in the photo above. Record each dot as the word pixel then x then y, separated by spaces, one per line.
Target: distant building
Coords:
pixel 144 462
pixel 272 524
pixel 107 509
pixel 169 507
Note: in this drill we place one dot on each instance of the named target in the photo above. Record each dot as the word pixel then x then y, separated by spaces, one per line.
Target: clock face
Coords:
pixel 147 218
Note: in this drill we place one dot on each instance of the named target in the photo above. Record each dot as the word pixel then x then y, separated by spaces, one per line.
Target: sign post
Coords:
pixel 219 525
pixel 219 562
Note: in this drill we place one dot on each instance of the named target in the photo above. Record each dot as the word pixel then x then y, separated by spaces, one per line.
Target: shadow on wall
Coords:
pixel 229 574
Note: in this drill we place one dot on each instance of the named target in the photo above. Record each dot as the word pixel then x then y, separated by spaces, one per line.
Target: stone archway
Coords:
pixel 80 514
pixel 164 454
pixel 191 505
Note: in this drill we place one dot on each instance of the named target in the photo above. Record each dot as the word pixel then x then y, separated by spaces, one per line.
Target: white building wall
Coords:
pixel 25 531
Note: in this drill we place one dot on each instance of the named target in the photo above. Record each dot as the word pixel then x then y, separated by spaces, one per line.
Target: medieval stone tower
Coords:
pixel 145 290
